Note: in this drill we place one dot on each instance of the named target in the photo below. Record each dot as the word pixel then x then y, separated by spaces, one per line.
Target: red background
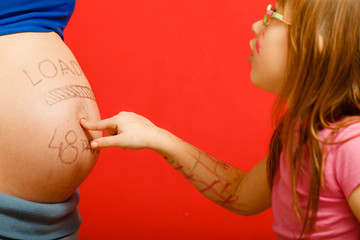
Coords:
pixel 183 64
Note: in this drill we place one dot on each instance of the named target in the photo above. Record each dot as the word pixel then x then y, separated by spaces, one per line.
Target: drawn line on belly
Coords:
pixel 73 91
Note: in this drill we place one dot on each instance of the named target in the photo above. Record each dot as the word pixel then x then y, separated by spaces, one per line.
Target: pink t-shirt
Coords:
pixel 342 176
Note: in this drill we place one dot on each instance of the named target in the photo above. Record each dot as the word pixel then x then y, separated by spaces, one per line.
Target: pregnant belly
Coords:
pixel 44 152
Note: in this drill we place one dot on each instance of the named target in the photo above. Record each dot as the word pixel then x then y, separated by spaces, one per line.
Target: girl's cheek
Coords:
pixel 258 45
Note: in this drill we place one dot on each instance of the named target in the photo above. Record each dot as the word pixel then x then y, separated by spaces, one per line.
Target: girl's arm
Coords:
pixel 354 202
pixel 238 191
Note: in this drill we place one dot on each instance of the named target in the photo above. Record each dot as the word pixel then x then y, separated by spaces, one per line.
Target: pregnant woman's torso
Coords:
pixel 44 152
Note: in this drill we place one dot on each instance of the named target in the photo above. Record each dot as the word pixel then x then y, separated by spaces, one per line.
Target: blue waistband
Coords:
pixel 21 219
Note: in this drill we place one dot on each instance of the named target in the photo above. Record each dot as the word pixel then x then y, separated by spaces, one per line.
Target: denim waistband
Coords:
pixel 21 219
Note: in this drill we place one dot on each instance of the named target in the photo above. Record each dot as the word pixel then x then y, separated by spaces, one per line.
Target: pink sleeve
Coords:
pixel 347 166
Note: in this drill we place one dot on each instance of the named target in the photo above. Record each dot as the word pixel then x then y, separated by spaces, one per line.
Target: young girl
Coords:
pixel 307 52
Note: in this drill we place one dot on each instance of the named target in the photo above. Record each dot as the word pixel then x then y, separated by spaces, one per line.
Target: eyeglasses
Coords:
pixel 271 13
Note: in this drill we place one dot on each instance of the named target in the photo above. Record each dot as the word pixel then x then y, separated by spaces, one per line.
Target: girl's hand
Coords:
pixel 126 130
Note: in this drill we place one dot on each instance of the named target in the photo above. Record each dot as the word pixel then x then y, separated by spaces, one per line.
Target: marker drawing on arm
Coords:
pixel 214 182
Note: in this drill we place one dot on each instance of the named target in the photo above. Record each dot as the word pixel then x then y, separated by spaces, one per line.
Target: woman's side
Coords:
pixel 44 153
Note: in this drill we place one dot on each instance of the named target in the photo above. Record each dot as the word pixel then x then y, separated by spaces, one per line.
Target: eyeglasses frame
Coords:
pixel 271 12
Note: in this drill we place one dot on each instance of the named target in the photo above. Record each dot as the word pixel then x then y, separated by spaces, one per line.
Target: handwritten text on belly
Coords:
pixel 51 69
pixel 64 93
pixel 69 146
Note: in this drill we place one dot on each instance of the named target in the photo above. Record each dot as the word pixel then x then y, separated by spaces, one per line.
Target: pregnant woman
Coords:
pixel 44 152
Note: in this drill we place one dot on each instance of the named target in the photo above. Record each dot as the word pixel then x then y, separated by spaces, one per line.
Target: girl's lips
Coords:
pixel 252 45
pixel 258 46
pixel 255 46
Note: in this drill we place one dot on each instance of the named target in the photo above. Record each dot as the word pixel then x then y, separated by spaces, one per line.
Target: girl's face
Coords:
pixel 269 57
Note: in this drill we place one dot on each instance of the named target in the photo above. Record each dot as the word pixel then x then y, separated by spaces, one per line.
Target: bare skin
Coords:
pixel 240 192
pixel 222 183
pixel 44 153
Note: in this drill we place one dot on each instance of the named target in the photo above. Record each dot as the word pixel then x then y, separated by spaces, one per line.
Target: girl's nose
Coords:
pixel 257 27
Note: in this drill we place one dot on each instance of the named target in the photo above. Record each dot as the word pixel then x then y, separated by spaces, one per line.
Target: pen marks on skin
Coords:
pixel 48 69
pixel 68 153
pixel 51 69
pixel 215 182
pixel 68 146
pixel 210 186
pixel 63 93
pixel 86 145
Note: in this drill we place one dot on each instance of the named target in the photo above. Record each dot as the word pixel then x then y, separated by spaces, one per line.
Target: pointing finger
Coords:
pixel 105 142
pixel 98 125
